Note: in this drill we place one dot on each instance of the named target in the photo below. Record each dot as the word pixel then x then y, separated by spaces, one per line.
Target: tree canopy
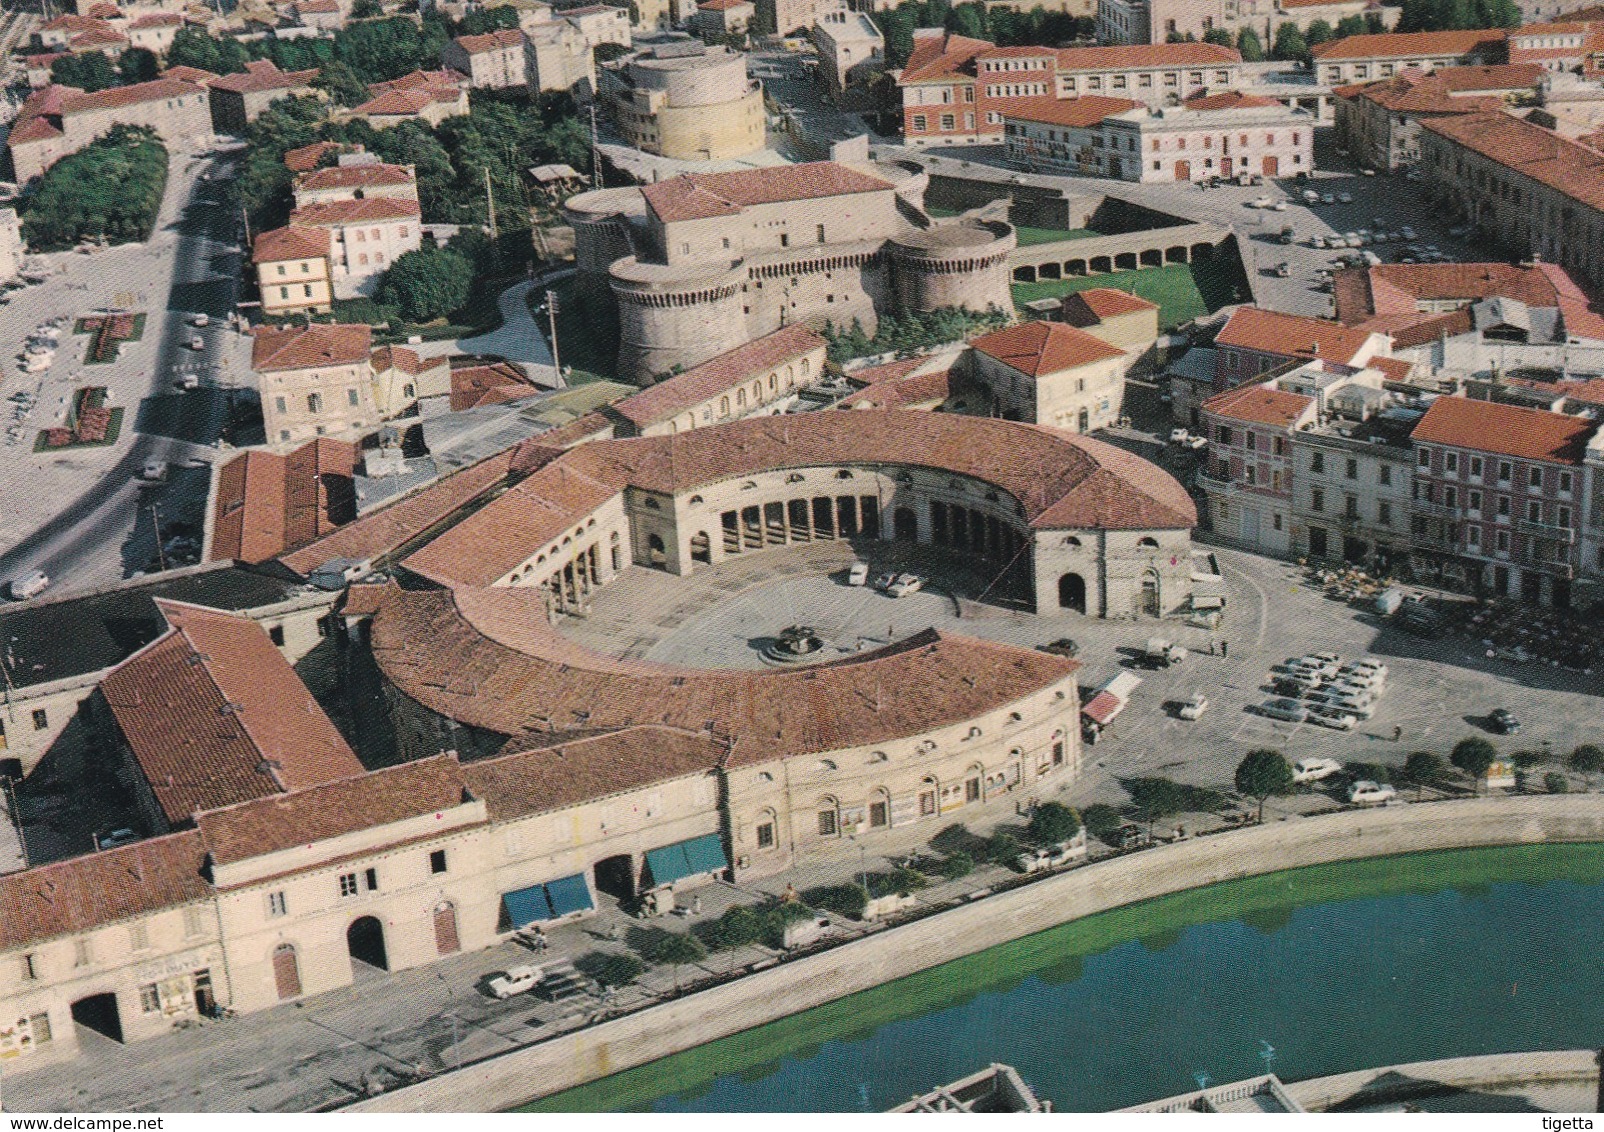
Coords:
pixel 1458 15
pixel 1249 45
pixel 192 47
pixel 137 65
pixel 111 188
pixel 1218 36
pixel 1587 760
pixel 1156 798
pixel 1261 773
pixel 87 71
pixel 1290 44
pixel 1052 822
pixel 379 50
pixel 1006 27
pixel 427 283
pixel 1475 756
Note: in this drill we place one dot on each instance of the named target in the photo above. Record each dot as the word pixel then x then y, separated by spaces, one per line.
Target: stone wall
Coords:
pixel 522 1075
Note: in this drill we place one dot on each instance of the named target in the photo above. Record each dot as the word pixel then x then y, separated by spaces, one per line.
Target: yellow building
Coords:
pixel 292 270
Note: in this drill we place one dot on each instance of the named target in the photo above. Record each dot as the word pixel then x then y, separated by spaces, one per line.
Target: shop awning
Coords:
pixel 703 854
pixel 527 905
pixel 1102 708
pixel 568 894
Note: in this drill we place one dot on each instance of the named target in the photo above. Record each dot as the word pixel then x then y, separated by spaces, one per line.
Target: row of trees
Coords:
pixel 94 71
pixel 1003 26
pixel 110 190
pixel 1458 15
pixel 909 334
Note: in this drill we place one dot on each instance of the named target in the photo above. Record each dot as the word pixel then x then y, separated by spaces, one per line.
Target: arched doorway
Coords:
pixel 98 1012
pixel 365 941
pixel 616 876
pixel 286 972
pixel 906 526
pixel 1150 603
pixel 446 940
pixel 701 547
pixel 1072 593
pixel 656 553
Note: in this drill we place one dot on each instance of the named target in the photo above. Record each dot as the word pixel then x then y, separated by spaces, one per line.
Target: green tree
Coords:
pixel 605 52
pixel 503 17
pixel 957 865
pixel 192 47
pixel 1001 848
pixel 1290 44
pixel 1420 770
pixel 137 65
pixel 842 899
pixel 737 927
pixel 1261 773
pixel 610 969
pixel 1155 798
pixel 1474 757
pixel 1219 36
pixel 1555 783
pixel 379 50
pixel 87 71
pixel 111 189
pixel 1350 25
pixel 428 283
pixel 673 949
pixel 371 9
pixel 1587 760
pixel 1102 820
pixel 968 20
pixel 1318 31
pixel 340 83
pixel 1053 822
pixel 896 28
pixel 1249 45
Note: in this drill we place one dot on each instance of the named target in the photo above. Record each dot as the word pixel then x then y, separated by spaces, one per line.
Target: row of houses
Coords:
pixel 1356 440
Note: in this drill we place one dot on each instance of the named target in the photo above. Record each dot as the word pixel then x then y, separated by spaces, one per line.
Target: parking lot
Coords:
pixel 1437 691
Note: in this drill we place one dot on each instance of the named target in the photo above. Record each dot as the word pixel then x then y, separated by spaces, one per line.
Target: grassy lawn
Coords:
pixel 1031 236
pixel 1182 291
pixel 587 339
pixel 1264 902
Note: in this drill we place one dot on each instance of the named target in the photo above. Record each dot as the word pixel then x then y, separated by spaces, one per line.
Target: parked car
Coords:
pixel 1178 435
pixel 1317 241
pixel 1195 442
pixel 29 585
pixel 518 980
pixel 115 838
pixel 196 342
pixel 858 574
pixel 1504 722
pixel 1063 646
pixel 906 584
pixel 1281 270
pixel 1407 232
pixel 1345 198
pixel 1368 793
pixel 1310 196
pixel 200 320
pixel 1334 718
pixel 1300 679
pixel 883 582
pixel 1366 664
pixel 1193 707
pixel 189 381
pixel 154 470
pixel 1328 198
pixel 1289 710
pixel 1160 653
pixel 1260 202
pixel 1313 770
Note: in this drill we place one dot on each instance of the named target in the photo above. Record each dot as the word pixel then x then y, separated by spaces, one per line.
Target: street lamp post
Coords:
pixel 551 314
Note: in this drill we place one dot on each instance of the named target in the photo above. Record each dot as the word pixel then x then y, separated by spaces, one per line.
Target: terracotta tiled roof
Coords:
pixel 157 90
pixel 99 36
pixel 72 896
pixel 697 196
pixel 1504 76
pixel 215 715
pixel 1507 430
pixel 352 176
pixel 1059 479
pixel 31 130
pixel 395 103
pixel 1087 308
pixel 266 503
pixel 293 242
pixel 1226 100
pixel 532 777
pixel 1573 169
pixel 306 158
pixel 940 56
pixel 1042 348
pixel 498 40
pixel 493 384
pixel 1258 404
pixel 405 360
pixel 1146 55
pixel 382 531
pixel 1402 45
pixel 683 391
pixel 319 344
pixel 719 5
pixel 317 7
pixel 363 801
pixel 1388 297
pixel 1086 111
pixel 912 391
pixel 264 75
pixel 333 213
pixel 890 371
pixel 1290 335
pixel 158 20
pixel 490 658
pixel 187 74
pixel 1589 392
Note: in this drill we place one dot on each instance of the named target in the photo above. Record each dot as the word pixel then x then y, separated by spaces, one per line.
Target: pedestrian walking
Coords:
pixel 1397 733
pixel 1225 647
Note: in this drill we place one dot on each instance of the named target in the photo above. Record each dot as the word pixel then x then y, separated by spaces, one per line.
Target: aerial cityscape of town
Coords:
pixel 801 556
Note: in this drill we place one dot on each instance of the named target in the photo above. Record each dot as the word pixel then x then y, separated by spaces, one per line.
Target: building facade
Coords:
pixel 1361 58
pixel 57 120
pixel 292 270
pixel 497 60
pixel 237 100
pixel 687 101
pixel 1379 122
pixel 314 381
pixel 1128 22
pixel 366 236
pixel 851 51
pixel 1051 373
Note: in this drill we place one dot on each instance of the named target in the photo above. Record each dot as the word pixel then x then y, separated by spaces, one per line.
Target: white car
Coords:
pixel 1195 442
pixel 1278 206
pixel 858 574
pixel 1334 718
pixel 1289 710
pixel 1260 202
pixel 154 470
pixel 1313 770
pixel 518 980
pixel 1360 684
pixel 1317 241
pixel 906 584
pixel 29 585
pixel 1344 198
pixel 200 320
pixel 1368 793
pixel 1194 707
pixel 1367 664
pixel 1321 668
pixel 1178 435
pixel 196 342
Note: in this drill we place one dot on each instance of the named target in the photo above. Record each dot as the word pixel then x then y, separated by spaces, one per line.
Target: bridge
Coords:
pixel 1126 251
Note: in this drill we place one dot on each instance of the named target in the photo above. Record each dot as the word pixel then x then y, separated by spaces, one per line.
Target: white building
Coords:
pixel 367 237
pixel 1218 134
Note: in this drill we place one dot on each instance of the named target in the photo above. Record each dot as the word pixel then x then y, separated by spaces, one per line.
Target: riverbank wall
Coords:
pixel 1492 1072
pixel 572 1059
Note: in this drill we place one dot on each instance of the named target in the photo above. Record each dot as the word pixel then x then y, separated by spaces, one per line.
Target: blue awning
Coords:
pixel 527 905
pixel 703 854
pixel 568 894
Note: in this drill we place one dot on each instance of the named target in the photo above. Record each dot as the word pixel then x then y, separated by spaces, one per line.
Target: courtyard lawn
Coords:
pixel 1182 291
pixel 1028 237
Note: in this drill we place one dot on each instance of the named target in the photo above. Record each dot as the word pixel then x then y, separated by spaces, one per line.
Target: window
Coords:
pixel 1424 457
pixel 30 968
pixel 1473 535
pixel 1475 501
pixel 1384 514
pixel 1503 506
pixel 1534 512
pixel 1275 520
pixel 1318 502
pixel 820 230
pixel 372 877
pixel 765 835
pixel 1222 435
pixel 1475 466
pixel 437 862
pixel 281 269
pixel 278 403
pixel 314 402
pixel 920 123
pixel 827 823
pixel 82 954
pixel 1279 445
pixel 1450 496
pixel 308 289
pixel 139 936
pixel 41 719
pixel 1565 481
pixel 1251 439
pixel 1504 471
pixel 1384 477
pixel 1451 461
pixel 1534 477
pixel 348 885
pixel 1353 469
pixel 277 906
pixel 351 397
pixel 283 292
pixel 1350 507
pixel 947 122
pixel 149 1000
pixel 1317 463
pixel 1503 540
pixel 1563 517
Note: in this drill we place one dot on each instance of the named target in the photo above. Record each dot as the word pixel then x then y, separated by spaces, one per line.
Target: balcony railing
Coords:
pixel 1213 485
pixel 1551 531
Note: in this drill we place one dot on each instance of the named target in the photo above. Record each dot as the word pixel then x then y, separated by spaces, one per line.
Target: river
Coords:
pixel 1338 968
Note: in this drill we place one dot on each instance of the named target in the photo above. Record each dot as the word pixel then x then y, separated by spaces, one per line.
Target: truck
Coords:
pixel 1160 653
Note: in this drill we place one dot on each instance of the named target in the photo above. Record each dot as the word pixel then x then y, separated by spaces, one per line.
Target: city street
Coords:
pixel 81 515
